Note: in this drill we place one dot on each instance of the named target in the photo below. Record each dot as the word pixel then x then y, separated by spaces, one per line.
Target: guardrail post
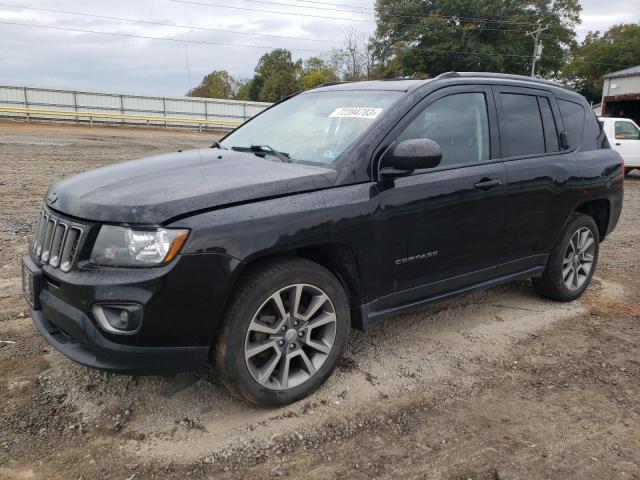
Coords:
pixel 91 121
pixel 75 106
pixel 244 112
pixel 122 107
pixel 164 110
pixel 26 102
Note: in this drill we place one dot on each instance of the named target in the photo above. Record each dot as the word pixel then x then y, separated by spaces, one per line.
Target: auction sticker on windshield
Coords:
pixel 355 112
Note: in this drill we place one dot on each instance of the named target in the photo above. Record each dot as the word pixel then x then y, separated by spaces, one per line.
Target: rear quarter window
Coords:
pixel 573 118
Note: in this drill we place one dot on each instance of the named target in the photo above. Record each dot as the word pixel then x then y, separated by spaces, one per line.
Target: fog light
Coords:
pixel 123 319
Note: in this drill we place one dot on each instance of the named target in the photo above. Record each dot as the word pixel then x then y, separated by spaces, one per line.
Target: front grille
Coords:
pixel 57 240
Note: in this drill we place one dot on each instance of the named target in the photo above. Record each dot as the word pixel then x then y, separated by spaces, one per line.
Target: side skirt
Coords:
pixel 369 312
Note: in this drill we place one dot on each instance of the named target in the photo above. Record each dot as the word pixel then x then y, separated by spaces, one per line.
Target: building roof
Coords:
pixel 627 72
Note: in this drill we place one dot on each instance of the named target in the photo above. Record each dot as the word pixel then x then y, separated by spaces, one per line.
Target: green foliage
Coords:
pixel 277 75
pixel 280 74
pixel 250 89
pixel 316 72
pixel 429 37
pixel 217 84
pixel 600 54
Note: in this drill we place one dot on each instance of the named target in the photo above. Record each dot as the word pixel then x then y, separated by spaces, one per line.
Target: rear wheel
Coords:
pixel 285 332
pixel 627 171
pixel 572 261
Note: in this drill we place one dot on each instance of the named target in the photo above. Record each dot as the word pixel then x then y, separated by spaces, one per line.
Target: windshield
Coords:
pixel 313 127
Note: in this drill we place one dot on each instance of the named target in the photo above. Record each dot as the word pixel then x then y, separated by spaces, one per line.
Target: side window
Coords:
pixel 521 124
pixel 626 131
pixel 573 118
pixel 458 123
pixel 550 130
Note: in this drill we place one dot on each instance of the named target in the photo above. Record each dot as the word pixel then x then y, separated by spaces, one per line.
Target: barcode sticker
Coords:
pixel 355 112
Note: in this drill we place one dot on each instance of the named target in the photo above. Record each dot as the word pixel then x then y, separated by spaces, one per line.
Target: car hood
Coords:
pixel 153 190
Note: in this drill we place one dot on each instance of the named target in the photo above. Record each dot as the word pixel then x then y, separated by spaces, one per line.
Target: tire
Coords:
pixel 269 358
pixel 627 171
pixel 559 280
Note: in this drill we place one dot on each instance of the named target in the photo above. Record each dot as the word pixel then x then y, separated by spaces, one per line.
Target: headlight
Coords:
pixel 131 247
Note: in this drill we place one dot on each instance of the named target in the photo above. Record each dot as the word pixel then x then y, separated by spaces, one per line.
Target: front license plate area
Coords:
pixel 31 276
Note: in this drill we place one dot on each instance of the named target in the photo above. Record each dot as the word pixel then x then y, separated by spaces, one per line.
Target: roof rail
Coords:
pixel 337 82
pixel 505 76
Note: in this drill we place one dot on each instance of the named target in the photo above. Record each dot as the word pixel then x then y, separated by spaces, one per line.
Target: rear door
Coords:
pixel 538 172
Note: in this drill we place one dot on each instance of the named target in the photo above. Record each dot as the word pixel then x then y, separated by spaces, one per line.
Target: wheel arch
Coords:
pixel 338 258
pixel 600 211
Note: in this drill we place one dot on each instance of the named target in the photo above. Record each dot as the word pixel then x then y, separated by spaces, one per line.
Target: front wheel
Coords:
pixel 285 332
pixel 571 262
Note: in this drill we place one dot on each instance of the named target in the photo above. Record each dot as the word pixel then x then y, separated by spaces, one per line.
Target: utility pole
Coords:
pixel 537 47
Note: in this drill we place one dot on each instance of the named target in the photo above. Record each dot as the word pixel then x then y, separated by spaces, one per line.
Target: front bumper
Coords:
pixel 87 346
pixel 182 306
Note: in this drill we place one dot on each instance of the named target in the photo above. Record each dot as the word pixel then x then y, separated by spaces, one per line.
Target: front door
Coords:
pixel 627 141
pixel 442 226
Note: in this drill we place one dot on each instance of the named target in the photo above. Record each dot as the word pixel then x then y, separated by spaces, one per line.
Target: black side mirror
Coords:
pixel 410 155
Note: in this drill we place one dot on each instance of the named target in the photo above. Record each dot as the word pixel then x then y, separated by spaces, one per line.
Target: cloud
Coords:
pixel 59 58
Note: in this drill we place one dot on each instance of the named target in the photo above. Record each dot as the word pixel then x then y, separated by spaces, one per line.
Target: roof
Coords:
pixel 504 76
pixel 388 85
pixel 407 85
pixel 627 72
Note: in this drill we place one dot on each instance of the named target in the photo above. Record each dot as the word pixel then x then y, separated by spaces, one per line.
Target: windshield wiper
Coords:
pixel 265 149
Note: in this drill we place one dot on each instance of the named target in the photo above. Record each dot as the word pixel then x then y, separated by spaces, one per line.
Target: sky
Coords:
pixel 55 57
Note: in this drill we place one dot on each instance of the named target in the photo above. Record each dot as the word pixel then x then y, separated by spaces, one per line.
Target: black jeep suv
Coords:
pixel 329 210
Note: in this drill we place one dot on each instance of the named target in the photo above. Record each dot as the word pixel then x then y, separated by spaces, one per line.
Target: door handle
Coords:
pixel 487 183
pixel 618 144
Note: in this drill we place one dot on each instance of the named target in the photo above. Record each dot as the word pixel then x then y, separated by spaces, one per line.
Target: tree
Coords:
pixel 429 38
pixel 354 60
pixel 316 72
pixel 250 89
pixel 217 84
pixel 600 54
pixel 280 74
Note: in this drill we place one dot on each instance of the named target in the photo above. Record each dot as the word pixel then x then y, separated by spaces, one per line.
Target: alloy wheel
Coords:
pixel 290 336
pixel 578 259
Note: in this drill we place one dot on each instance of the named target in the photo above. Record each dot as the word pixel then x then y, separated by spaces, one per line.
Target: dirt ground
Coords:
pixel 497 384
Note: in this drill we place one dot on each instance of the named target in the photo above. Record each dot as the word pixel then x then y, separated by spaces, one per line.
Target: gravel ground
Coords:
pixel 497 384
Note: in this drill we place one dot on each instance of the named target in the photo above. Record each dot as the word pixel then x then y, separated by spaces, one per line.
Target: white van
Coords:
pixel 624 136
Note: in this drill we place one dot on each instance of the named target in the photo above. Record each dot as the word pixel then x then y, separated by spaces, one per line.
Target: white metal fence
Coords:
pixel 39 103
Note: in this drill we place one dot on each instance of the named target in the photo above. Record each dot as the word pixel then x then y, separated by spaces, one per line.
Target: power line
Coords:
pixel 316 2
pixel 233 7
pixel 194 27
pixel 334 4
pixel 148 37
pixel 161 24
pixel 203 42
pixel 316 7
pixel 398 15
